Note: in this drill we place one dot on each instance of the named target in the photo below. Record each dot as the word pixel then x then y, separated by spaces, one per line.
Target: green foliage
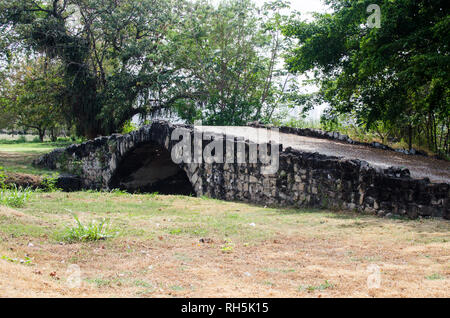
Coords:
pixel 434 276
pixel 112 62
pixel 33 96
pixel 48 183
pixel 297 123
pixel 334 123
pixel 229 57
pixel 175 231
pixel 2 178
pixel 153 194
pixel 395 77
pixel 25 261
pixel 119 192
pixel 14 197
pixel 143 57
pixel 93 231
pixel 228 247
pixel 128 127
pixel 21 140
pixel 325 285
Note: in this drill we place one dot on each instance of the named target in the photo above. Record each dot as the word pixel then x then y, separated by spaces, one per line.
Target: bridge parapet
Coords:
pixel 141 161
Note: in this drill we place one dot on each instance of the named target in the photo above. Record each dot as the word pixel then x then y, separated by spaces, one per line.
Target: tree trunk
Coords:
pixel 92 133
pixel 410 131
pixel 53 135
pixel 41 133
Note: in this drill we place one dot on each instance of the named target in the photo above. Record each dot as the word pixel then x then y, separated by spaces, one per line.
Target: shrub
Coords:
pixel 2 178
pixel 22 139
pixel 128 127
pixel 48 183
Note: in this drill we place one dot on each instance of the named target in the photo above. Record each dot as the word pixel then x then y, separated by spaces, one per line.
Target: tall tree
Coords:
pixel 111 51
pixel 397 74
pixel 123 58
pixel 228 57
pixel 33 97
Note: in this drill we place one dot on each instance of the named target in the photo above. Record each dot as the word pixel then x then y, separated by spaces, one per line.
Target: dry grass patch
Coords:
pixel 174 246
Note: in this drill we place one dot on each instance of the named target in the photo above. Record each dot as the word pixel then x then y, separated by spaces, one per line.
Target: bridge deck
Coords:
pixel 419 166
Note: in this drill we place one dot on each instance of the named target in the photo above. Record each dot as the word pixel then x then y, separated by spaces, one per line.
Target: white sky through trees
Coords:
pixel 306 8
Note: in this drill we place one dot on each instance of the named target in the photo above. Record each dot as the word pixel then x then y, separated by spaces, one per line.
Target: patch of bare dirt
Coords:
pixel 23 180
pixel 288 266
pixel 301 255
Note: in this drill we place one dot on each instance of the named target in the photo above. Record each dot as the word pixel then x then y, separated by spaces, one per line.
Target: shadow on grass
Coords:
pixel 365 220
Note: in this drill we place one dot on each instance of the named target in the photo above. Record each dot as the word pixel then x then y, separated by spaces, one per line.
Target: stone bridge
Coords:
pixel 316 169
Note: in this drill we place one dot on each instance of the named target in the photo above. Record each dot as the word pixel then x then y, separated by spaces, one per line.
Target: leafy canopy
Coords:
pixel 397 74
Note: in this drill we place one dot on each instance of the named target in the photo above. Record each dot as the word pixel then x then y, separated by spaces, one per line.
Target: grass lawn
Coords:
pixel 177 246
pixel 16 157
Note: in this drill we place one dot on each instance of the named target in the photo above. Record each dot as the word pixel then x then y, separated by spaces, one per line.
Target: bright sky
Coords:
pixel 307 5
pixel 304 6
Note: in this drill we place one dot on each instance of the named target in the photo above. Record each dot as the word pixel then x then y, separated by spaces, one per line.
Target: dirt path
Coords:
pixel 419 166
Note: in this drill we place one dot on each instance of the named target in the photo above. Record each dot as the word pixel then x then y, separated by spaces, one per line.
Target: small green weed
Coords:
pixel 228 247
pixel 14 197
pixel 2 178
pixel 26 261
pixel 434 276
pixel 325 285
pixel 118 192
pixel 93 231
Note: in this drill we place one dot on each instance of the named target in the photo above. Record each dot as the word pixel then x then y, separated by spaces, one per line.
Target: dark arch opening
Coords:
pixel 149 168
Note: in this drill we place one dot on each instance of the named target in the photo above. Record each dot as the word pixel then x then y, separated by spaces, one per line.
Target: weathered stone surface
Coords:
pixel 140 161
